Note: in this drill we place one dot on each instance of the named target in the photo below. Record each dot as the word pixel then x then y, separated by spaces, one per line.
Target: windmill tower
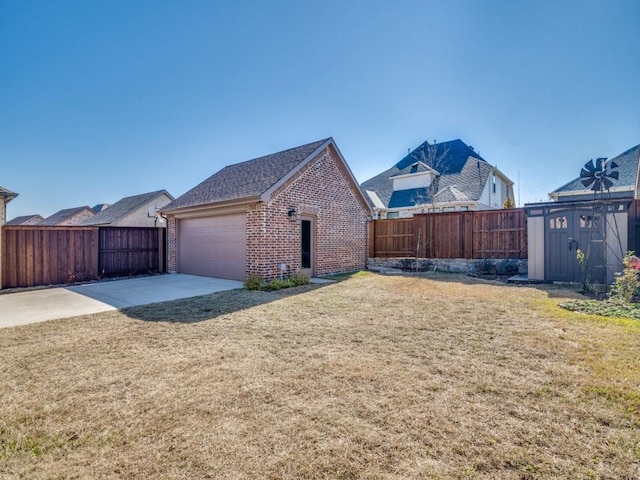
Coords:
pixel 600 175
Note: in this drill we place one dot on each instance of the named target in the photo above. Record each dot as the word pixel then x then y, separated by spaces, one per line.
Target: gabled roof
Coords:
pixel 124 207
pixel 451 194
pixel 63 215
pixel 627 175
pixel 452 161
pixel 26 220
pixel 7 194
pixel 255 179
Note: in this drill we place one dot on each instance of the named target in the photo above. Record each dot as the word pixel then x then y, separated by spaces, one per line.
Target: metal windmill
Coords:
pixel 600 175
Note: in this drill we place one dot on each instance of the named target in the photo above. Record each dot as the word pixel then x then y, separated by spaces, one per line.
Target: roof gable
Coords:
pixel 26 220
pixel 453 161
pixel 124 207
pixel 246 179
pixel 64 215
pixel 627 175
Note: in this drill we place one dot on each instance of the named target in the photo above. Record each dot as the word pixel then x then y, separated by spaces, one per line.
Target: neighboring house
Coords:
pixel 135 211
pixel 438 177
pixel 581 221
pixel 5 197
pixel 299 210
pixel 68 216
pixel 626 186
pixel 26 220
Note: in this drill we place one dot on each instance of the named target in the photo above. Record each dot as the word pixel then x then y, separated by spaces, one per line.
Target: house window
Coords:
pixel 464 208
pixel 493 180
pixel 449 209
pixel 393 214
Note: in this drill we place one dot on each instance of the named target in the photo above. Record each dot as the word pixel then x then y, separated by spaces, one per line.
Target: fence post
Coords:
pixel 161 249
pixel 372 238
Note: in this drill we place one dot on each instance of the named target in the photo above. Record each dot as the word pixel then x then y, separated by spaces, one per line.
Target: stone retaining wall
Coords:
pixel 485 266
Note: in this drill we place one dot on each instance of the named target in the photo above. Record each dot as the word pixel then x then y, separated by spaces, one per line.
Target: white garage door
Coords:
pixel 213 246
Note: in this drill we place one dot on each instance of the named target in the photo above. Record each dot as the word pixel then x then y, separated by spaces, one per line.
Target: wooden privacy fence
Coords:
pixel 472 235
pixel 33 255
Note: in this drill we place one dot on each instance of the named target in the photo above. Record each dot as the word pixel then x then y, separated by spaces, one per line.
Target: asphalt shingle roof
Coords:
pixel 246 179
pixel 25 220
pixel 627 172
pixel 123 207
pixel 62 215
pixel 452 162
pixel 409 197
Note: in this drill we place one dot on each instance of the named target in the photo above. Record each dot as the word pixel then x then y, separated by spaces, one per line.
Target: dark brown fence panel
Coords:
pixel 500 234
pixel 131 250
pixel 393 238
pixel 35 255
pixel 481 234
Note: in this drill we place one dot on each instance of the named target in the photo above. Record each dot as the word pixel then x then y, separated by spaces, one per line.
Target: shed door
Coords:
pixel 213 246
pixel 566 231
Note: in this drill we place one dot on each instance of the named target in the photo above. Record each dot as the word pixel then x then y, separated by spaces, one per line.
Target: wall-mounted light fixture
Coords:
pixel 292 214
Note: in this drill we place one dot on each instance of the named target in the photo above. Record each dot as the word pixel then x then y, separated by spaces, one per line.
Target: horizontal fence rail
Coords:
pixel 36 255
pixel 471 235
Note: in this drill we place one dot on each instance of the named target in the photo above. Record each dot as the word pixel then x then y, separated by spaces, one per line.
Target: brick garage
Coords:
pixel 300 207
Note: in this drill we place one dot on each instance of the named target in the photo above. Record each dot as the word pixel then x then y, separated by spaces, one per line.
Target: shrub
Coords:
pixel 299 279
pixel 485 266
pixel 253 282
pixel 507 267
pixel 626 286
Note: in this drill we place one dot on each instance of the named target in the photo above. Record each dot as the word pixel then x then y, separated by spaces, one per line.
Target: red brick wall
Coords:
pixel 321 190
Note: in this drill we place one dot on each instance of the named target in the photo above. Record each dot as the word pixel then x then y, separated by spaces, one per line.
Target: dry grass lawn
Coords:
pixel 389 377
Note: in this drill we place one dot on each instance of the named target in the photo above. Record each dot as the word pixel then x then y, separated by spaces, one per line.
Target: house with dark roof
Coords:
pixel 438 177
pixel 624 186
pixel 68 216
pixel 298 210
pixel 26 220
pixel 134 211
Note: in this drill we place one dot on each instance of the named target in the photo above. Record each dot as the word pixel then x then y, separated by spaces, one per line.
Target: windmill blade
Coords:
pixel 600 164
pixel 606 183
pixel 588 169
pixel 587 181
pixel 613 164
pixel 613 175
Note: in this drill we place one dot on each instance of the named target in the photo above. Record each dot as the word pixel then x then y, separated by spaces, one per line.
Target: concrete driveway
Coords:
pixel 52 303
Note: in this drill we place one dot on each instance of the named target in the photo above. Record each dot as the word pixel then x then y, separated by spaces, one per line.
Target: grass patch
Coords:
pixel 430 376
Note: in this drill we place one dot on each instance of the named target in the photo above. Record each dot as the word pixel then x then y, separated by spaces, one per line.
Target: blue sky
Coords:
pixel 104 99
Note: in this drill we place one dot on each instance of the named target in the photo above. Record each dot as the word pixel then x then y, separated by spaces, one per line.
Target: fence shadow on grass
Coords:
pixel 211 306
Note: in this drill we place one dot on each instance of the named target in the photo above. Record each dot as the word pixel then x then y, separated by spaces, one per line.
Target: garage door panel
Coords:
pixel 213 246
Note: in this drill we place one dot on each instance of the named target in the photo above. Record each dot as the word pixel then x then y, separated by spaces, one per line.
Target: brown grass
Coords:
pixel 372 377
